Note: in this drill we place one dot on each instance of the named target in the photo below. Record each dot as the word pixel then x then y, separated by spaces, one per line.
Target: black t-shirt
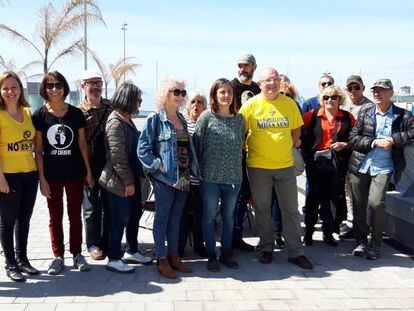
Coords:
pixel 62 159
pixel 244 92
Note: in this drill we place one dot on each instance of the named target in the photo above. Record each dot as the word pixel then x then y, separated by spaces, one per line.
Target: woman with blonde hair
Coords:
pixel 167 153
pixel 18 176
pixel 326 154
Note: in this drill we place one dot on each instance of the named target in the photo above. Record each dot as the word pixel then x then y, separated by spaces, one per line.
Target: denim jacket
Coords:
pixel 158 145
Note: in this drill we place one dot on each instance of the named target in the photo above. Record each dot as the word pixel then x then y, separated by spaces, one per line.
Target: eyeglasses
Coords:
pixel 193 101
pixel 326 84
pixel 94 83
pixel 333 97
pixel 355 87
pixel 57 85
pixel 286 94
pixel 269 81
pixel 177 92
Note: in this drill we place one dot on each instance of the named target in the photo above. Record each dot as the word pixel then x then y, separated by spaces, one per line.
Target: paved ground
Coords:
pixel 339 281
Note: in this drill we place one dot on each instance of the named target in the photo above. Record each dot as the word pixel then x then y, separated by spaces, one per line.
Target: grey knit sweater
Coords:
pixel 219 142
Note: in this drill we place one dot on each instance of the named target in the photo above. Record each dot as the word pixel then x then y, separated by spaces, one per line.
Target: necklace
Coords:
pixel 58 111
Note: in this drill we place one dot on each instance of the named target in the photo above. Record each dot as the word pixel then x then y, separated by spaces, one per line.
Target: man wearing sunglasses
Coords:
pixel 96 111
pixel 245 88
pixel 313 102
pixel 355 89
pixel 377 140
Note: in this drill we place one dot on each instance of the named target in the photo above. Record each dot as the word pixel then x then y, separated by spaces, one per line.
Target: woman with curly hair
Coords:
pixel 167 153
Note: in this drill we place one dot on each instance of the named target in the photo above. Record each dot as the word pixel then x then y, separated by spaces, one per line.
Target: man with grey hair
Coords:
pixel 377 140
pixel 95 205
pixel 313 102
pixel 273 122
pixel 245 88
pixel 355 89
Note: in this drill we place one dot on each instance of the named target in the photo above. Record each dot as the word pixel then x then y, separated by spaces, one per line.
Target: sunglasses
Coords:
pixel 94 83
pixel 193 101
pixel 355 87
pixel 286 94
pixel 333 97
pixel 326 84
pixel 51 86
pixel 177 92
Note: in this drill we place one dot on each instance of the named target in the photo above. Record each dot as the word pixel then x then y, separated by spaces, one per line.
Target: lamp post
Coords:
pixel 124 29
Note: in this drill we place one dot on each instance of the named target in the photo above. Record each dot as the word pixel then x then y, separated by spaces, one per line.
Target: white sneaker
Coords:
pixel 119 266
pixel 137 258
pixel 80 263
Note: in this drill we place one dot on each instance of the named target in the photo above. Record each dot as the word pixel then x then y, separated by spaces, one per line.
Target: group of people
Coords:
pixel 202 162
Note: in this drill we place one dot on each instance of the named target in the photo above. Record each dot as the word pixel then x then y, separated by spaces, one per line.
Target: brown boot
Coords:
pixel 164 269
pixel 177 264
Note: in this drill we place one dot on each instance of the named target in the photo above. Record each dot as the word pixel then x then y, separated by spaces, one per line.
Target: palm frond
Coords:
pixel 17 36
pixel 72 49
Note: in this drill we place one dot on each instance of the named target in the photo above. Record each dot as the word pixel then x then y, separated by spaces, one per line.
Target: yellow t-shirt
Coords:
pixel 15 143
pixel 268 126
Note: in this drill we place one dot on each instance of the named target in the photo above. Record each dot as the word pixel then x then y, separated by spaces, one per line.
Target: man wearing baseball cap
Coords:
pixel 355 89
pixel 378 140
pixel 96 111
pixel 245 88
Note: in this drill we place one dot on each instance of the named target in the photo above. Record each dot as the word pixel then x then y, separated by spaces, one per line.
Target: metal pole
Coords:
pixel 85 37
pixel 124 29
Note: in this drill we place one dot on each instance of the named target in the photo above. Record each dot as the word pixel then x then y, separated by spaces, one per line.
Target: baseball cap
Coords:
pixel 383 83
pixel 89 74
pixel 245 58
pixel 354 79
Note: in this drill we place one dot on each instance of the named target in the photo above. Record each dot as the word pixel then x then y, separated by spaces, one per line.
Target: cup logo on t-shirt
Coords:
pixel 245 96
pixel 60 136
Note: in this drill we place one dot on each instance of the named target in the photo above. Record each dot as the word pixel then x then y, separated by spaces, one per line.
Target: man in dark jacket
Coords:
pixel 378 140
pixel 95 205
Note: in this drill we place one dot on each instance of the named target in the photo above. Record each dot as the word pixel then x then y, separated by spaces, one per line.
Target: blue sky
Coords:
pixel 200 40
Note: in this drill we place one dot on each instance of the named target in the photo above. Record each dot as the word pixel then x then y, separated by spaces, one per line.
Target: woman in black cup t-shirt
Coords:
pixel 62 161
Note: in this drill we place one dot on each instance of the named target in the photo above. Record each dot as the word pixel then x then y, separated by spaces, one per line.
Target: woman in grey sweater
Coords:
pixel 218 138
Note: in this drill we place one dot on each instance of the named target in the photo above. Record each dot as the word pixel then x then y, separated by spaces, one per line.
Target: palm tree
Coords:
pixel 53 26
pixel 116 71
pixel 22 72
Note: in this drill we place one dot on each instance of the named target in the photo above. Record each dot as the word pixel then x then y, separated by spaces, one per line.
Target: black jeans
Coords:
pixel 96 215
pixel 326 187
pixel 241 205
pixel 191 220
pixel 16 208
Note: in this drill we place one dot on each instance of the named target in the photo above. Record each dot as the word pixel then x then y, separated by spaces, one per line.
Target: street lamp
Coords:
pixel 124 30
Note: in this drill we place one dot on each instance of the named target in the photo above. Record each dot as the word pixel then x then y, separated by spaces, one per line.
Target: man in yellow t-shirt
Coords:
pixel 273 125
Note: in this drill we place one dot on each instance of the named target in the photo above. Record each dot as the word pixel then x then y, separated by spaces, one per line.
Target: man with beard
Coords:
pixel 96 111
pixel 245 88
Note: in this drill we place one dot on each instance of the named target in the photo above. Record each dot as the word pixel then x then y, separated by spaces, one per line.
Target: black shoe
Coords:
pixel 213 264
pixel 329 239
pixel 347 236
pixel 14 274
pixel 278 239
pixel 201 251
pixel 26 267
pixel 243 246
pixel 307 239
pixel 302 262
pixel 266 257
pixel 227 259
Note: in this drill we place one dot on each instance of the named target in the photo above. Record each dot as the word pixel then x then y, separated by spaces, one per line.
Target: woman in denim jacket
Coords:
pixel 167 153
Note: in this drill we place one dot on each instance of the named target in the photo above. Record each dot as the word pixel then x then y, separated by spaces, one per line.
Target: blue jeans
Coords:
pixel 211 193
pixel 125 213
pixel 169 204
